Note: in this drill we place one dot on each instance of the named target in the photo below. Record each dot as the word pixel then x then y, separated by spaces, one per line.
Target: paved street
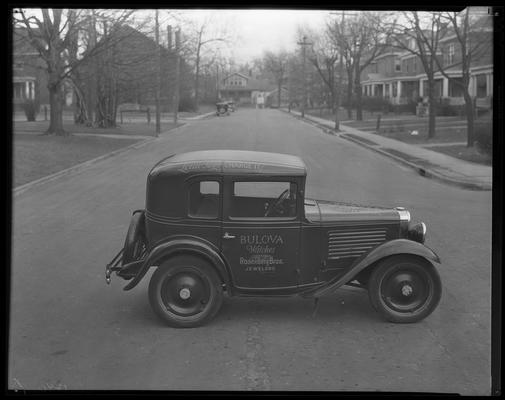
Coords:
pixel 69 330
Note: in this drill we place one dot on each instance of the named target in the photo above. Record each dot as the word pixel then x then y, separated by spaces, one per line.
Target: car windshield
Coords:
pixel 263 199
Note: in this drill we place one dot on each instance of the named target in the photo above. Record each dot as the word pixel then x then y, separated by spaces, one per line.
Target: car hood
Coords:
pixel 329 211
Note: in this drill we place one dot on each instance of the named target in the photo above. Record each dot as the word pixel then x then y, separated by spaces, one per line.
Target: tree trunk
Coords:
pixel 431 109
pixel 279 94
pixel 470 118
pixel 56 114
pixel 357 92
pixel 349 97
pixel 197 80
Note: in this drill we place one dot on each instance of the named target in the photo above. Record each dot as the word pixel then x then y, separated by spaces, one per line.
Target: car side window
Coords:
pixel 204 199
pixel 263 199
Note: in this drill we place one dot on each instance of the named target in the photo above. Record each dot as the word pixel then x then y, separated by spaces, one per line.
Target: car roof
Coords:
pixel 234 162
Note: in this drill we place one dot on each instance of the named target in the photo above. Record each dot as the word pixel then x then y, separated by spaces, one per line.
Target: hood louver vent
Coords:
pixel 353 243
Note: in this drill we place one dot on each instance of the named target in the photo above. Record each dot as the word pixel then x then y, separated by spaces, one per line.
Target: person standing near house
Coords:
pixel 260 100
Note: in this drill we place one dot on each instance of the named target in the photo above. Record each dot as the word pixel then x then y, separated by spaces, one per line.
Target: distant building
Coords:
pixel 244 89
pixel 399 76
pixel 28 71
pixel 272 98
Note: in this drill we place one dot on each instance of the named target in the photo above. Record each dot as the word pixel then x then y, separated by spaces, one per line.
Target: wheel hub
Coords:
pixel 407 290
pixel 185 293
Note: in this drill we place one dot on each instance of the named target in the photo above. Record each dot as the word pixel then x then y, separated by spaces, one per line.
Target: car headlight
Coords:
pixel 417 232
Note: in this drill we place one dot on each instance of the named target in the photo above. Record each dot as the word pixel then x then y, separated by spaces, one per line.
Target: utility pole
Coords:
pixel 177 73
pixel 340 73
pixel 217 82
pixel 304 43
pixel 158 74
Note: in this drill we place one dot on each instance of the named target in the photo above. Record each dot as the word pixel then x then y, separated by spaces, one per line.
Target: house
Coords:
pixel 28 71
pixel 244 89
pixel 272 99
pixel 399 76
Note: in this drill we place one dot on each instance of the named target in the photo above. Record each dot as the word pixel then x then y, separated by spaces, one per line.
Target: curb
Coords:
pixel 427 173
pixel 202 116
pixel 79 167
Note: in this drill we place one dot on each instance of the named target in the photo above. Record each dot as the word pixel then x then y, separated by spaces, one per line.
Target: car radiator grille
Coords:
pixel 353 243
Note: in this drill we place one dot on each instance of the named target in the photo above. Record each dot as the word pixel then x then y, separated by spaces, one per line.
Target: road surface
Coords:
pixel 69 330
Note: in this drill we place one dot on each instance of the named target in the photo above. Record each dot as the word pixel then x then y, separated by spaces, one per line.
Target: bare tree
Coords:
pixel 204 34
pixel 324 57
pixel 423 41
pixel 363 39
pixel 276 64
pixel 55 37
pixel 473 42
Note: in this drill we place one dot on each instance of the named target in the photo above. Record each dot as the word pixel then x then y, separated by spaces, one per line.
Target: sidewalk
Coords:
pixel 428 163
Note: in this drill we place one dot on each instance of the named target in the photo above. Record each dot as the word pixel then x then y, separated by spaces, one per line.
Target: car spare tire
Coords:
pixel 135 242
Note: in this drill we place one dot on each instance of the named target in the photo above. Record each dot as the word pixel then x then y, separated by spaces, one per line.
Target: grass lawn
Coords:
pixel 462 152
pixel 445 134
pixel 37 156
pixel 129 128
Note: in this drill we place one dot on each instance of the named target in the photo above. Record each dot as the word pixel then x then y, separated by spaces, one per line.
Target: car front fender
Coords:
pixel 187 245
pixel 393 247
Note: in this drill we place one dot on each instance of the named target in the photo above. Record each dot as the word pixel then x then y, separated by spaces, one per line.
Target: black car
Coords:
pixel 238 223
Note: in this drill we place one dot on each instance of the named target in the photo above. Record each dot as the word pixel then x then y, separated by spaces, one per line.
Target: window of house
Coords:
pixel 414 67
pixel 398 65
pixel 19 65
pixel 450 54
pixel 481 85
pixel 204 199
pixel 412 44
pixel 455 89
pixel 395 89
pixel 263 199
pixel 19 90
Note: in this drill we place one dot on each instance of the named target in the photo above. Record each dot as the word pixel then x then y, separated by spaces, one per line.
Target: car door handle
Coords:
pixel 228 236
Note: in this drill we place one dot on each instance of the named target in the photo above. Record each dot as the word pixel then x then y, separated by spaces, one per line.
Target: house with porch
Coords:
pixel 399 76
pixel 244 89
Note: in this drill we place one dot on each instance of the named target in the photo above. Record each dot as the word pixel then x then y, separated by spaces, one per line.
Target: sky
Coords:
pixel 253 30
pixel 258 30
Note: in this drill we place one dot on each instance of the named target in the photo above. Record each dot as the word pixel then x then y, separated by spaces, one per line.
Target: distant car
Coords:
pixel 238 222
pixel 222 108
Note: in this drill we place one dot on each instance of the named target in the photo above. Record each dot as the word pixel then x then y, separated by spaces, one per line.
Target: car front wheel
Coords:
pixel 185 292
pixel 404 289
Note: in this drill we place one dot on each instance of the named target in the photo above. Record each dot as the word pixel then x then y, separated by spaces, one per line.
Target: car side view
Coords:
pixel 238 223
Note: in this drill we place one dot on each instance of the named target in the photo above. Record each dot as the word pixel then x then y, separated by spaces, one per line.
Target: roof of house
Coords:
pixel 262 85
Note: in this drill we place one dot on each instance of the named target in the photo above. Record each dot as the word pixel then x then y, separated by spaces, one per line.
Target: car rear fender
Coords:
pixel 182 245
pixel 393 247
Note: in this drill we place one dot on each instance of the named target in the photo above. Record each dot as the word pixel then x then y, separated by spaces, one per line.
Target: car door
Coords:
pixel 260 242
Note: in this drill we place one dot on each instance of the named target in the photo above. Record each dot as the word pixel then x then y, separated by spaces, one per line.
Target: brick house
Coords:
pixel 28 71
pixel 399 76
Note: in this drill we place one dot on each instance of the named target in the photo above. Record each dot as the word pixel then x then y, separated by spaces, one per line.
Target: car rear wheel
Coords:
pixel 185 292
pixel 404 289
